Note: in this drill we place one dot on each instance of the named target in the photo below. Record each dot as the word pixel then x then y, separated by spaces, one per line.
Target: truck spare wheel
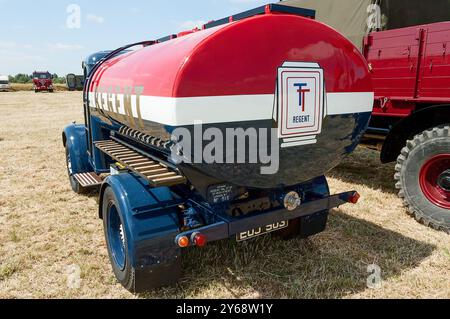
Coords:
pixel 423 177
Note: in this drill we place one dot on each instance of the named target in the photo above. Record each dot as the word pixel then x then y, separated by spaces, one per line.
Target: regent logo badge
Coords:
pixel 302 90
pixel 300 103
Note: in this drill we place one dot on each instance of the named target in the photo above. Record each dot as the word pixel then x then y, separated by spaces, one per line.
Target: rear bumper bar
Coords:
pixel 228 228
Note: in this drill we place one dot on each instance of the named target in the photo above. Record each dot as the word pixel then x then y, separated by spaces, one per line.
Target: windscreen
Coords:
pixel 41 76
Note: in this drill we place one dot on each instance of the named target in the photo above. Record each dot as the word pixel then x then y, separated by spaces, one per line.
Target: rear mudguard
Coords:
pixel 151 223
pixel 74 138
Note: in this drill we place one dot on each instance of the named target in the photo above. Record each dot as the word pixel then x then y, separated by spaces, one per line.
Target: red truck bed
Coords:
pixel 410 66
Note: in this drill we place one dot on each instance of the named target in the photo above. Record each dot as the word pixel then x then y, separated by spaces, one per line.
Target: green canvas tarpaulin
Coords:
pixel 347 16
pixel 355 18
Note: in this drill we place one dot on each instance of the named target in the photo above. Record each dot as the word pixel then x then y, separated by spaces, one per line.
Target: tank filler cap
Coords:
pixel 292 201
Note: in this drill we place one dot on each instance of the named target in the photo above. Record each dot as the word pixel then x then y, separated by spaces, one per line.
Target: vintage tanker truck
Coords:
pixel 290 97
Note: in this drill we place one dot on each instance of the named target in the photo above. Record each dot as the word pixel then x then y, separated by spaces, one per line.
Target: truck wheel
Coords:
pixel 423 177
pixel 76 187
pixel 141 247
pixel 50 91
pixel 116 241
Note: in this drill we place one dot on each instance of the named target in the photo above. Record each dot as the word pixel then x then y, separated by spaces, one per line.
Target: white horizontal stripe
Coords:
pixel 349 103
pixel 217 109
pixel 235 108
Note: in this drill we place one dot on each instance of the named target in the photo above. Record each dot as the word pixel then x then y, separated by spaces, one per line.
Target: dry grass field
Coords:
pixel 16 87
pixel 44 228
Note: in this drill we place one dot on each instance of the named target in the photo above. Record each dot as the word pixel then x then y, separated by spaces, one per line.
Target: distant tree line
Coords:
pixel 25 78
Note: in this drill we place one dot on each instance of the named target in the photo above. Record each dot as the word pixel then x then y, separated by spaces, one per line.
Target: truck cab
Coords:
pixel 42 81
pixel 4 83
pixel 89 63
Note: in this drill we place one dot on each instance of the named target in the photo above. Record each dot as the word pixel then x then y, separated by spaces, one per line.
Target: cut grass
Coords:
pixel 16 87
pixel 7 271
pixel 45 228
pixel 13 236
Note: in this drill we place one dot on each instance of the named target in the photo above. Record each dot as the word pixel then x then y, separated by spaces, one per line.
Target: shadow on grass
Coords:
pixel 330 265
pixel 364 167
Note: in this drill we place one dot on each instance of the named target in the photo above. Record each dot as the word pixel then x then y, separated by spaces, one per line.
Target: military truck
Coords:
pixel 407 46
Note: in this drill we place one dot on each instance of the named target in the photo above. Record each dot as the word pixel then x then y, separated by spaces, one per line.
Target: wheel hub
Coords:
pixel 444 181
pixel 434 180
pixel 116 236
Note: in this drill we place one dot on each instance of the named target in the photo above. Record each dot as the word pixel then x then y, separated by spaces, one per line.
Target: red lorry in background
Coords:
pixel 411 118
pixel 42 81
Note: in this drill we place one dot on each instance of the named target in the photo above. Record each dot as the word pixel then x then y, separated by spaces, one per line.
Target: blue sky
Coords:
pixel 34 35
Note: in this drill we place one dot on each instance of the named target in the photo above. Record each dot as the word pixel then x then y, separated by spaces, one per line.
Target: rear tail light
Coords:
pixel 199 240
pixel 354 198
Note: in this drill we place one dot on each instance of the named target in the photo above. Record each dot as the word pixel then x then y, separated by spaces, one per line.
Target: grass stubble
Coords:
pixel 45 228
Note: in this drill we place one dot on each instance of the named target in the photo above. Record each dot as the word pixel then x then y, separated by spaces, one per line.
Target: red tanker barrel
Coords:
pixel 268 71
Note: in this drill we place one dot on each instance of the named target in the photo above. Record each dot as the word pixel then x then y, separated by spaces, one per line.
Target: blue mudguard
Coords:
pixel 74 139
pixel 151 223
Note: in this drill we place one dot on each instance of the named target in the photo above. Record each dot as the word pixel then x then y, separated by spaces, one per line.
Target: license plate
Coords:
pixel 261 231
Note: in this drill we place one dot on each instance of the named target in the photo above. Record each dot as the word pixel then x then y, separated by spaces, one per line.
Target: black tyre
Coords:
pixel 116 241
pixel 423 177
pixel 76 187
pixel 50 91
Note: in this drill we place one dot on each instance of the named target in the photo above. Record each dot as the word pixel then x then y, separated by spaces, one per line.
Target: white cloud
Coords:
pixel 191 24
pixel 63 46
pixel 95 19
pixel 17 57
pixel 8 45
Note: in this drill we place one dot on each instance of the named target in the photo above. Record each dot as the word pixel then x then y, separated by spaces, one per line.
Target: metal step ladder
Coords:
pixel 156 173
pixel 87 180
